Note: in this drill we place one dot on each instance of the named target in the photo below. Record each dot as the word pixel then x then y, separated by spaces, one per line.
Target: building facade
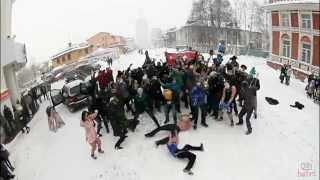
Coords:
pixel 13 57
pixel 105 40
pixel 295 35
pixel 203 38
pixel 71 54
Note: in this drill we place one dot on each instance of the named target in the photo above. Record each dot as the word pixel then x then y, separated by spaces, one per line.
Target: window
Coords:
pixel 63 59
pixel 86 51
pixel 306 21
pixel 285 20
pixel 285 46
pixel 306 52
pixel 69 56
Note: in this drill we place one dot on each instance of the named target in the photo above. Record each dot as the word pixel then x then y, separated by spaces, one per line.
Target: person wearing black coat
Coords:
pixel 118 120
pixel 216 86
pixel 5 164
pixel 255 83
pixel 7 113
pixel 248 107
pixel 283 73
pixel 155 93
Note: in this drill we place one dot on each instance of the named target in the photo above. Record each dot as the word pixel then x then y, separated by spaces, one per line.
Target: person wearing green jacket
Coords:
pixel 177 75
pixel 142 104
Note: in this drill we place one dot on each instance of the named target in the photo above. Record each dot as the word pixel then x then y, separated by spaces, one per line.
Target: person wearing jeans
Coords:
pixel 183 153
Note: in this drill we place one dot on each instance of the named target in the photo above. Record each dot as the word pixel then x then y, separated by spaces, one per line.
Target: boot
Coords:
pixel 188 171
pixel 248 132
pixel 93 156
pixel 101 151
pixel 232 124
pixel 201 147
pixel 239 123
pixel 204 124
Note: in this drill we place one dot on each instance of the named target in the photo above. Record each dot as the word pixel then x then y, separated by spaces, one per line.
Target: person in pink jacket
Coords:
pixel 87 121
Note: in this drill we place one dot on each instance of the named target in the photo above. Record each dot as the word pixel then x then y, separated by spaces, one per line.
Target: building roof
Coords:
pixel 70 49
pixel 293 5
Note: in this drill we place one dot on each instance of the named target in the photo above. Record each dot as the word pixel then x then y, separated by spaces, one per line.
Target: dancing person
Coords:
pixel 87 122
pixel 183 153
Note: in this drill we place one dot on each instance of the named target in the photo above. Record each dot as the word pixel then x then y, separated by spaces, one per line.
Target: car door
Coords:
pixel 56 97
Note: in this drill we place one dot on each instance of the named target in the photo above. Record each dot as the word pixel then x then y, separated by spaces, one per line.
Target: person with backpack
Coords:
pixel 171 98
pixel 183 153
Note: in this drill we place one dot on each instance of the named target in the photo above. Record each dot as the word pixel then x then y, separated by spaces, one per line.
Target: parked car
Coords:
pixel 70 95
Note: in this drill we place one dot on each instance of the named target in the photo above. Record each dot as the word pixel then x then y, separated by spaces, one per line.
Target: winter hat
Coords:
pixel 253 71
pixel 233 58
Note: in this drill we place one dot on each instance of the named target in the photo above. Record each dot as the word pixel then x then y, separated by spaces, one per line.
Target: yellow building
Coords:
pixel 71 54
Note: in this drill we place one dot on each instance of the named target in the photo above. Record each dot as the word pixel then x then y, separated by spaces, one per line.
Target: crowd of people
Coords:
pixel 203 89
pixel 313 86
pixel 14 119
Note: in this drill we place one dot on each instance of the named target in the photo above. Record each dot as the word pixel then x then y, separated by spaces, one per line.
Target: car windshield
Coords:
pixel 75 90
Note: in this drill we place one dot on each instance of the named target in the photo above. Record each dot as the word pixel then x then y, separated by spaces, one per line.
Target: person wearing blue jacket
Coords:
pixel 199 101
pixel 183 153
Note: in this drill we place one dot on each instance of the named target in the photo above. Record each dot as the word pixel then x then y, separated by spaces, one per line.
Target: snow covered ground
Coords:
pixel 284 141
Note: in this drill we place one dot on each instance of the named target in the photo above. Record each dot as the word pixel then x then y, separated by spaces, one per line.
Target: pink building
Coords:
pixel 295 35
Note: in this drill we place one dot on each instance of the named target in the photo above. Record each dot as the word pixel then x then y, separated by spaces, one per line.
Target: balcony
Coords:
pixel 13 52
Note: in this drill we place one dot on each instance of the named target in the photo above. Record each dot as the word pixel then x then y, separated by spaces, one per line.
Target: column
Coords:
pixel 10 77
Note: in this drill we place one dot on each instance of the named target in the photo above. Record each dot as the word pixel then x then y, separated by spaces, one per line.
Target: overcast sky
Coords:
pixel 47 25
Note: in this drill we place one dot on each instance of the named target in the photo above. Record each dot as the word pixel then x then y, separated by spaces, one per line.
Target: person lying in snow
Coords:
pixel 183 153
pixel 183 124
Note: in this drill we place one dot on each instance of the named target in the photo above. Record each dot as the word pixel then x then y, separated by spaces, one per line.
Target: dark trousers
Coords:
pixel 150 113
pixel 195 114
pixel 168 127
pixel 99 120
pixel 4 172
pixel 162 141
pixel 247 111
pixel 186 99
pixel 121 140
pixel 184 153
pixel 169 107
pixel 235 108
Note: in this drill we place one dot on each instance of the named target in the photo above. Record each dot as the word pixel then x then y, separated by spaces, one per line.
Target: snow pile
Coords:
pixel 282 139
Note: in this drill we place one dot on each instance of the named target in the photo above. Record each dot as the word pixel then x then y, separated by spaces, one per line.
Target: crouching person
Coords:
pixel 183 153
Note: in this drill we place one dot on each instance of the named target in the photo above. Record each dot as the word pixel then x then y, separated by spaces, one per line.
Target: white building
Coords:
pixel 142 33
pixel 13 57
